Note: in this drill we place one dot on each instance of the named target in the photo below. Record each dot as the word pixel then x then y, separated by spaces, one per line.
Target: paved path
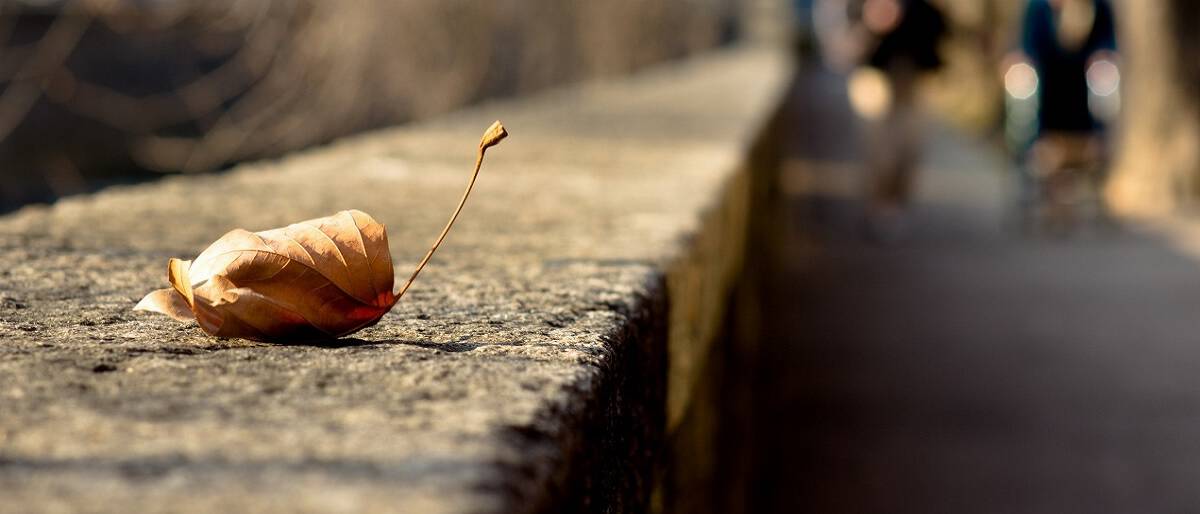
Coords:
pixel 967 369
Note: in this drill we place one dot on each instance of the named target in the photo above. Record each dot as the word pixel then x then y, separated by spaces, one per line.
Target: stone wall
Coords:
pixel 559 354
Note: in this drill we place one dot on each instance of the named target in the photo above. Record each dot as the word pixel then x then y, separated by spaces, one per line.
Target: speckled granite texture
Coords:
pixel 532 367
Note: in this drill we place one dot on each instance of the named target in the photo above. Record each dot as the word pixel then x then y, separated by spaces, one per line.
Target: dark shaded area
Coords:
pixel 1063 93
pixel 1185 14
pixel 963 369
pixel 67 142
pixel 615 451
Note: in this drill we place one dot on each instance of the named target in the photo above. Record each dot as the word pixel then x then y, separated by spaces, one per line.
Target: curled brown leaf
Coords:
pixel 320 278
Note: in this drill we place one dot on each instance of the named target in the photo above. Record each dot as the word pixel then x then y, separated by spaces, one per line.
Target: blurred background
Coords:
pixel 1159 84
pixel 975 288
pixel 93 91
pixel 97 91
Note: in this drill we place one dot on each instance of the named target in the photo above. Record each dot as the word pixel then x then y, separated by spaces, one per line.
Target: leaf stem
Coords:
pixel 491 137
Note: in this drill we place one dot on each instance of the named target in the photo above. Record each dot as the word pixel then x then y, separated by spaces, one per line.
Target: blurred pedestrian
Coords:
pixel 1063 39
pixel 903 43
pixel 1071 46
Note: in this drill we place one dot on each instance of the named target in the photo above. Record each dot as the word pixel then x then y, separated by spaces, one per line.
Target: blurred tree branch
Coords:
pixel 191 85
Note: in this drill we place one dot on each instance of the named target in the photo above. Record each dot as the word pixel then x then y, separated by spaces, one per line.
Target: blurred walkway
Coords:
pixel 966 369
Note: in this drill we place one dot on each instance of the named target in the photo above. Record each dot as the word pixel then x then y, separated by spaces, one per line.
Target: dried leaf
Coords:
pixel 321 278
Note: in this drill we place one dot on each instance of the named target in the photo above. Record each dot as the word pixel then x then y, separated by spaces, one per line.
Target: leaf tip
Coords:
pixel 493 135
pixel 166 301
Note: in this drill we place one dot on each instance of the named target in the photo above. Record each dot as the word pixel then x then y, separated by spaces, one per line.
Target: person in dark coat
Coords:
pixel 1062 38
pixel 1071 45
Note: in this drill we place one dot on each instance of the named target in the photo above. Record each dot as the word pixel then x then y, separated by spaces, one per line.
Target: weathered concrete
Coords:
pixel 524 371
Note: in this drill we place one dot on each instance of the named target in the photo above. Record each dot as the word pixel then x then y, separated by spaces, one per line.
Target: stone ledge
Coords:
pixel 527 369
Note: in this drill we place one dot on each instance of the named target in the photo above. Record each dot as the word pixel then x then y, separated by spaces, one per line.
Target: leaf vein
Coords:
pixel 313 268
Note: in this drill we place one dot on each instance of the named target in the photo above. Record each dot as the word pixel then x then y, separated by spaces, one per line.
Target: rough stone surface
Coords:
pixel 524 371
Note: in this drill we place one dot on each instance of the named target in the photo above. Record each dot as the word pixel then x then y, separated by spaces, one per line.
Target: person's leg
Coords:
pixel 894 153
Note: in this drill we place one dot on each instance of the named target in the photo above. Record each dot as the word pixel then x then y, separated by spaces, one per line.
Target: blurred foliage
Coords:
pixel 1159 165
pixel 108 86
